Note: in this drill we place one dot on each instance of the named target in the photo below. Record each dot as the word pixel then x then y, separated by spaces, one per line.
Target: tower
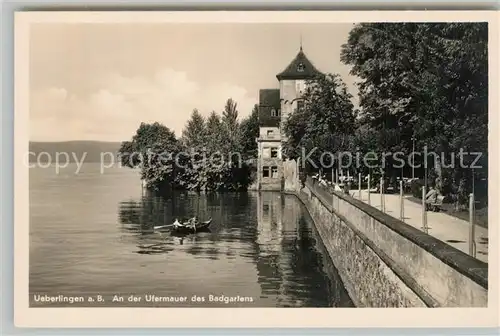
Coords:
pixel 292 84
pixel 275 105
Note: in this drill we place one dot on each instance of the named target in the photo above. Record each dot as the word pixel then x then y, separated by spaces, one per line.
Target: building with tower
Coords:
pixel 275 105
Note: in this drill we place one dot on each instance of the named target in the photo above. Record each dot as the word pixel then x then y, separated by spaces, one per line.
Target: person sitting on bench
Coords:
pixel 432 197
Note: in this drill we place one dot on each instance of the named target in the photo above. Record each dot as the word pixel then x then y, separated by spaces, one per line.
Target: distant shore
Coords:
pixel 43 151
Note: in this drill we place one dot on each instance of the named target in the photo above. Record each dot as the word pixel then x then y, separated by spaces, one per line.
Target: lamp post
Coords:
pixel 413 156
pixel 369 186
pixel 400 125
pixel 472 235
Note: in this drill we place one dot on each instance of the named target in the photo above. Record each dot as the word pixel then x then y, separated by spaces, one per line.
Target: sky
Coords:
pixel 100 81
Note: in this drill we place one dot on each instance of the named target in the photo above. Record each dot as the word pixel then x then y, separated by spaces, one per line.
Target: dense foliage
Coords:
pixel 324 126
pixel 207 157
pixel 249 131
pixel 154 149
pixel 427 81
pixel 422 86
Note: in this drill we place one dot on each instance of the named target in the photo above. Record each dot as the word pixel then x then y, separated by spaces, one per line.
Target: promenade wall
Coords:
pixel 384 262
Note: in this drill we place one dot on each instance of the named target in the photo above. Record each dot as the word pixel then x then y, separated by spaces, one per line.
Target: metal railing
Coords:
pixel 329 187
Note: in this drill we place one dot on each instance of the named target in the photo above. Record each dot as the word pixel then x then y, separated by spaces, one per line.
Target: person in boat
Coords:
pixel 192 222
pixel 177 224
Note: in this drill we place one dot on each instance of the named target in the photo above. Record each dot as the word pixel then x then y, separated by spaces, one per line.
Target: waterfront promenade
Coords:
pixel 449 229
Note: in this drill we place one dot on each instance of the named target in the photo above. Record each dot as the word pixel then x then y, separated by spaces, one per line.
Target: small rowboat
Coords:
pixel 186 228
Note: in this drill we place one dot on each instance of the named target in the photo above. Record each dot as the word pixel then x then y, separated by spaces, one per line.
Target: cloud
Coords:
pixel 113 112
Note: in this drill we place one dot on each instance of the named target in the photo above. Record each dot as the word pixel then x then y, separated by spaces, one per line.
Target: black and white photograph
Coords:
pixel 258 164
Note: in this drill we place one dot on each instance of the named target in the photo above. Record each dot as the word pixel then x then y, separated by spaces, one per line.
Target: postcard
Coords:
pixel 256 169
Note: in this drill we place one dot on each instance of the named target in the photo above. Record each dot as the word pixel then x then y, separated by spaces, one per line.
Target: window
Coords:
pixel 274 113
pixel 274 172
pixel 300 105
pixel 301 67
pixel 270 134
pixel 265 208
pixel 265 171
pixel 274 152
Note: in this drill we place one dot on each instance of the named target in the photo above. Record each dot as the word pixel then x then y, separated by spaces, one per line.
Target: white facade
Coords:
pixel 274 108
pixel 290 91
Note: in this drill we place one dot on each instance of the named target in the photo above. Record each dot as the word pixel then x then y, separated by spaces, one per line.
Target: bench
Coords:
pixel 437 206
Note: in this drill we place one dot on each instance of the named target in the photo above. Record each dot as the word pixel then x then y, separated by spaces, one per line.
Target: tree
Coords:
pixel 230 126
pixel 249 131
pixel 230 113
pixel 324 125
pixel 214 132
pixel 126 154
pixel 194 134
pixel 168 163
pixel 424 80
pixel 148 135
pixel 365 142
pixel 154 148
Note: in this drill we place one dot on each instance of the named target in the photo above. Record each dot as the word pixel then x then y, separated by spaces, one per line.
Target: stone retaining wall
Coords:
pixel 384 262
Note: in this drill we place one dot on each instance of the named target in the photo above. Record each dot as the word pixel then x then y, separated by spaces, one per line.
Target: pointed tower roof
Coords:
pixel 299 68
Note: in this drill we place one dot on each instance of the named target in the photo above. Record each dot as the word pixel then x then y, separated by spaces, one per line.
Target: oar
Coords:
pixel 162 226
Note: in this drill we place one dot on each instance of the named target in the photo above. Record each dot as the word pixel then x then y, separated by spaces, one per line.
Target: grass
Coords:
pixel 481 217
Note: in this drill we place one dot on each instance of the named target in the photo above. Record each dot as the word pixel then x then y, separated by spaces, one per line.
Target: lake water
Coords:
pixel 91 234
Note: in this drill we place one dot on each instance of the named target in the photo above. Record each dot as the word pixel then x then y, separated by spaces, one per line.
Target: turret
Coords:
pixel 292 83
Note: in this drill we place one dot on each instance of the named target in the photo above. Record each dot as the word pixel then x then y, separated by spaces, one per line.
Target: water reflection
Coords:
pixel 268 230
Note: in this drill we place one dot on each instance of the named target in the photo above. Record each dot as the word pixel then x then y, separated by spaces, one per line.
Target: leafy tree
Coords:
pixel 214 132
pixel 194 134
pixel 167 162
pixel 153 148
pixel 424 80
pixel 249 131
pixel 324 125
pixel 230 113
pixel 365 142
pixel 230 126
pixel 126 154
pixel 149 134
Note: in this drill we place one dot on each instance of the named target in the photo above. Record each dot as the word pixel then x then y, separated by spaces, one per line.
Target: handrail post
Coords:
pixel 383 194
pixel 369 187
pixel 382 205
pixel 424 211
pixel 472 228
pixel 333 188
pixel 402 204
pixel 359 187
